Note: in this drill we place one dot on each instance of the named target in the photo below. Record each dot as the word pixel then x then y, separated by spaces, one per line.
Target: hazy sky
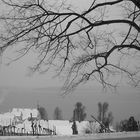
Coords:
pixel 123 103
pixel 18 89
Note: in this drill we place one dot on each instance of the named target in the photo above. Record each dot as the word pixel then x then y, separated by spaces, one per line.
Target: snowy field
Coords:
pixel 105 136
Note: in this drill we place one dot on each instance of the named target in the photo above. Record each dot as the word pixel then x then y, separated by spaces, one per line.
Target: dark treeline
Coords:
pixel 104 116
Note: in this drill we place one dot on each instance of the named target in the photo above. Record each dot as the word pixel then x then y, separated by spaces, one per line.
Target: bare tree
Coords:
pixel 58 114
pixel 42 113
pixel 103 115
pixel 79 112
pixel 110 118
pixel 85 44
pixel 105 109
pixel 100 111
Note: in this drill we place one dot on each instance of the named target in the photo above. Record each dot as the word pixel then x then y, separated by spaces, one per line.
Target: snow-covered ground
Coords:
pixel 101 136
pixel 19 117
pixel 60 127
pixel 63 128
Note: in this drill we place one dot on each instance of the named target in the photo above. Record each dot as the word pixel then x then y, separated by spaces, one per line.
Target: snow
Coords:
pixel 61 127
pixel 6 118
pixel 64 127
pixel 25 112
pixel 19 117
pixel 111 136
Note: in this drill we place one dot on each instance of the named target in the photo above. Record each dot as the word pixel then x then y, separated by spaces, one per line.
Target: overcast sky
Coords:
pixel 18 89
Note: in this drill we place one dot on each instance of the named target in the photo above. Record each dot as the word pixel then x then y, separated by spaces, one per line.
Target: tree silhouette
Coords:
pixel 58 114
pixel 124 125
pixel 103 116
pixel 100 111
pixel 105 109
pixel 129 125
pixel 86 44
pixel 110 117
pixel 132 124
pixel 79 112
pixel 42 113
